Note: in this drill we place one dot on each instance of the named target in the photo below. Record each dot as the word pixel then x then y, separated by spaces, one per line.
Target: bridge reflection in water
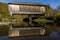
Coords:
pixel 29 31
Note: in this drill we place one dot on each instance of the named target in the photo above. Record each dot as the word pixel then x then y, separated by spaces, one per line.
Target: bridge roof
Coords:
pixel 27 3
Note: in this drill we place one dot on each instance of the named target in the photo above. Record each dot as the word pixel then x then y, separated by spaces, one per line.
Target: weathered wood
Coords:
pixel 25 8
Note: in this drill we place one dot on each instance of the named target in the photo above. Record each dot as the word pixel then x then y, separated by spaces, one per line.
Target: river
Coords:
pixel 52 33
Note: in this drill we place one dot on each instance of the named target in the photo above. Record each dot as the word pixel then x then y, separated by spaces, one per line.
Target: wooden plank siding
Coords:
pixel 26 9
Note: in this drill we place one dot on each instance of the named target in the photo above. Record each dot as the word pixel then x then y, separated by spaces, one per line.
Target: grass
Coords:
pixel 41 20
pixel 4 13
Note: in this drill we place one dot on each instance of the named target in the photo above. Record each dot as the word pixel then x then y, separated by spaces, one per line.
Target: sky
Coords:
pixel 52 3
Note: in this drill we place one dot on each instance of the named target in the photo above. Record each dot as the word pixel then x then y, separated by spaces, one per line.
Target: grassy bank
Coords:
pixel 4 12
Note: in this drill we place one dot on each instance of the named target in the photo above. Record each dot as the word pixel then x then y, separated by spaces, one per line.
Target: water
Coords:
pixel 52 33
pixel 52 36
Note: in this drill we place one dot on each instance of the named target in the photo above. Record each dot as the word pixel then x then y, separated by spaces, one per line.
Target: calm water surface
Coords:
pixel 52 33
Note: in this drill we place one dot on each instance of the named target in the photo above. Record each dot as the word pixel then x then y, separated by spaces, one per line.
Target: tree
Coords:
pixel 49 11
pixel 58 8
pixel 56 15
